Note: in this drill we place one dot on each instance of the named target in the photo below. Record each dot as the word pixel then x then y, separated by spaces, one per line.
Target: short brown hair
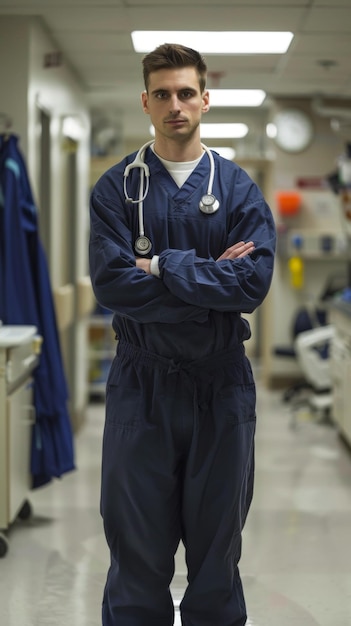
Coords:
pixel 172 55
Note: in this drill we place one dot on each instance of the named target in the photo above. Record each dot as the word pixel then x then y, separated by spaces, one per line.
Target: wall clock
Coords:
pixel 294 130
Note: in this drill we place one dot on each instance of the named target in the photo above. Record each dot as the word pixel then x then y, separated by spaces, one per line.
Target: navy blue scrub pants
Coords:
pixel 178 465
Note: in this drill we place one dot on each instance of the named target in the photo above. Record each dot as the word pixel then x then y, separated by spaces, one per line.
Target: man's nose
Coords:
pixel 174 104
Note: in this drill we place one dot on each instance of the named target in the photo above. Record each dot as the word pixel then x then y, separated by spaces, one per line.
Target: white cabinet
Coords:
pixel 20 418
pixel 19 350
pixel 340 317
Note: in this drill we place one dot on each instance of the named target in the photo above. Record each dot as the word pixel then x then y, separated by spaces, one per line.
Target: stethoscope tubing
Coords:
pixel 210 205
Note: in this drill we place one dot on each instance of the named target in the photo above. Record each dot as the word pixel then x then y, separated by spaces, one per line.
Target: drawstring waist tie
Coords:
pixel 199 368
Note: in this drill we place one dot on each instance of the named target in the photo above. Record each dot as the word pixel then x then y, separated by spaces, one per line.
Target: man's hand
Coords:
pixel 143 264
pixel 237 251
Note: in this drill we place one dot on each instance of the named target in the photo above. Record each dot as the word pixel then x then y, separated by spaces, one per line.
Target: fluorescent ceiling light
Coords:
pixel 218 131
pixel 221 131
pixel 215 42
pixel 236 97
pixel 224 151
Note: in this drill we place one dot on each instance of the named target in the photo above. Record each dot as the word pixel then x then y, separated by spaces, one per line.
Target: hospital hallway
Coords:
pixel 296 563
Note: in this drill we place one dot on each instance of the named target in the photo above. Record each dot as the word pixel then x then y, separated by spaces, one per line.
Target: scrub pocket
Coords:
pixel 238 403
pixel 124 405
pixel 237 395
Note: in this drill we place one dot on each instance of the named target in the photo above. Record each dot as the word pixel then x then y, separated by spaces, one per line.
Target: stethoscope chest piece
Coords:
pixel 142 245
pixel 208 204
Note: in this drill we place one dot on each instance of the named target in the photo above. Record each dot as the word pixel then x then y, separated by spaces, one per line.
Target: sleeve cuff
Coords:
pixel 154 268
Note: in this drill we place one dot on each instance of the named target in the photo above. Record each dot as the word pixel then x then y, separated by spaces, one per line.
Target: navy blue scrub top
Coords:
pixel 194 308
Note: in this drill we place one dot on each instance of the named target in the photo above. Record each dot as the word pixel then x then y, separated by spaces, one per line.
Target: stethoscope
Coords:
pixel 208 203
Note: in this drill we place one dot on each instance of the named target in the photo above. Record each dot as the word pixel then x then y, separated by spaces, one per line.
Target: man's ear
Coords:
pixel 205 101
pixel 144 102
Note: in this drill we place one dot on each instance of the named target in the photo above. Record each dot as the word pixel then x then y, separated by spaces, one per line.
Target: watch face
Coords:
pixel 294 130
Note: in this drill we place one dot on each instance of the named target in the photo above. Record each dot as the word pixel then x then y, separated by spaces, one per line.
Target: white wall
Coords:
pixel 27 84
pixel 14 79
pixel 58 91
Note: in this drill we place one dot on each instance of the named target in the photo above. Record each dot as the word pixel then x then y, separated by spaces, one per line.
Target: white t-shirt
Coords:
pixel 179 170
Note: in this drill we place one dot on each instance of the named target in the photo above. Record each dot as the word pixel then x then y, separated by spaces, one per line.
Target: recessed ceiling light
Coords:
pixel 215 42
pixel 271 130
pixel 236 97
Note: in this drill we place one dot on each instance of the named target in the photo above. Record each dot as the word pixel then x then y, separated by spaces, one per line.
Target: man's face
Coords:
pixel 174 102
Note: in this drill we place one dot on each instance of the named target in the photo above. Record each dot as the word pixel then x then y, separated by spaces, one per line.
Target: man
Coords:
pixel 178 450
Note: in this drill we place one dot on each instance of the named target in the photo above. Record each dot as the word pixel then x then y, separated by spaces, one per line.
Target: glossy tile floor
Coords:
pixel 296 564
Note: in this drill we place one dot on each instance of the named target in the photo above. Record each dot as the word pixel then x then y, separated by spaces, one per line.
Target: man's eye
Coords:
pixel 161 95
pixel 186 94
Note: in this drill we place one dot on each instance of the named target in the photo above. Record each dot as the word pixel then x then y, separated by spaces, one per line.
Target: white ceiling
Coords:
pixel 94 37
